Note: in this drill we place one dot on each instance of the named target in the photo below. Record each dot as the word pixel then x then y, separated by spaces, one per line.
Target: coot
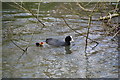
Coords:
pixel 57 42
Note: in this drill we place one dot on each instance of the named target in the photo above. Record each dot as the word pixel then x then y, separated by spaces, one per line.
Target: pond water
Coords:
pixel 55 62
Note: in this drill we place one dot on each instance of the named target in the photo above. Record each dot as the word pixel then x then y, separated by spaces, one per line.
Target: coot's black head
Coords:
pixel 68 38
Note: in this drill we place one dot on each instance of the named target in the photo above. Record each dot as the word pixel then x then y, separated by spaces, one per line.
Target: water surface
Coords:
pixel 55 62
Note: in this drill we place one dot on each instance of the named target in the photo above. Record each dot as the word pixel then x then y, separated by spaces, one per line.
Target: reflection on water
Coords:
pixel 67 49
pixel 55 62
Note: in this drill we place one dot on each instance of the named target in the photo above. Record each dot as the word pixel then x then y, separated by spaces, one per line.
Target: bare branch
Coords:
pixel 89 23
pixel 84 8
pixel 109 16
pixel 70 27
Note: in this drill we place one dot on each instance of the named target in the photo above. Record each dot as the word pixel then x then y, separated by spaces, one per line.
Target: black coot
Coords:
pixel 57 42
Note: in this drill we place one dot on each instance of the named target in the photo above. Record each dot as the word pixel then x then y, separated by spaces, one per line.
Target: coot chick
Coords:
pixel 57 42
pixel 39 44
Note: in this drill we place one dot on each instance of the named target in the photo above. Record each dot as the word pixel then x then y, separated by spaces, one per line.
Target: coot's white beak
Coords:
pixel 72 39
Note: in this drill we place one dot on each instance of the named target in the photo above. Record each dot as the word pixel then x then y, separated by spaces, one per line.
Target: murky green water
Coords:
pixel 55 62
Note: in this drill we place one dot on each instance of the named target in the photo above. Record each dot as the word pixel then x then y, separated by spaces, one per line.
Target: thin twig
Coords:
pixel 117 4
pixel 84 8
pixel 37 18
pixel 69 26
pixel 17 46
pixel 86 56
pixel 21 56
pixel 28 12
pixel 80 33
pixel 86 44
pixel 89 23
pixel 115 34
pixel 109 16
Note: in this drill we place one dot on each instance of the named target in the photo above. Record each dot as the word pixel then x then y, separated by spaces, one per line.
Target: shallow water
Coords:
pixel 55 62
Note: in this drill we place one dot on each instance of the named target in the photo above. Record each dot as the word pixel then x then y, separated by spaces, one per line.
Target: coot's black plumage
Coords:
pixel 57 42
